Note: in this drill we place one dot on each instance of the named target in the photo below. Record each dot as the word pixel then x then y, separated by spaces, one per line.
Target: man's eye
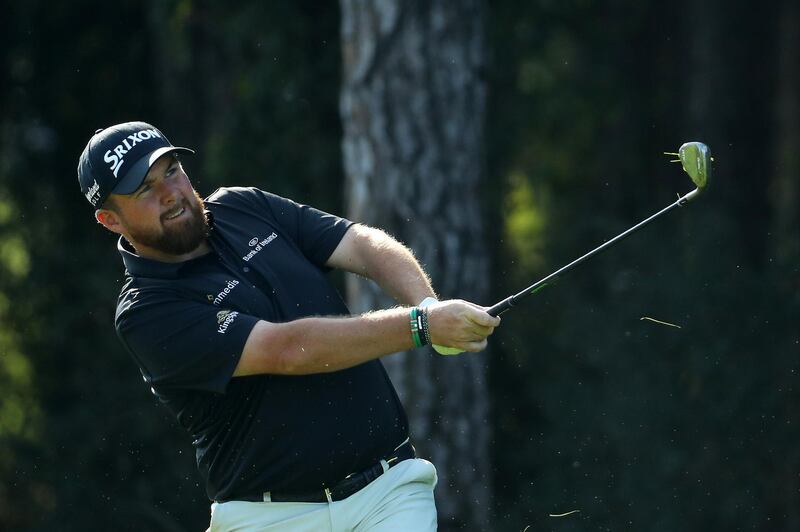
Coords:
pixel 144 189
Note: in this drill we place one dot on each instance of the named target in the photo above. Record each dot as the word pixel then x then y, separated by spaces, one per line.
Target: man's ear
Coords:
pixel 109 219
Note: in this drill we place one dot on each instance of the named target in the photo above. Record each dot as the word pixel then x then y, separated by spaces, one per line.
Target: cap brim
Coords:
pixel 135 175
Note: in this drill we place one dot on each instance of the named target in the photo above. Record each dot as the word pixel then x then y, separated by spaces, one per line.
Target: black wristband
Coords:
pixel 426 333
pixel 421 326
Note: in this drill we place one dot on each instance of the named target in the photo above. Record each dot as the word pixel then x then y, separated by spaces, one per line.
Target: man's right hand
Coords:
pixel 459 324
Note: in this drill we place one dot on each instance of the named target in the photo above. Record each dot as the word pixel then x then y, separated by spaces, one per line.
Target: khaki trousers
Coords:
pixel 400 499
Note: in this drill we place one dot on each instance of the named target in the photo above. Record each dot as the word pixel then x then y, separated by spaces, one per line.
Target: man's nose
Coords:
pixel 169 192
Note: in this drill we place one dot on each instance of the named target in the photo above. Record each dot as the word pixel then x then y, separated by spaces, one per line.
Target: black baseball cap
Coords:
pixel 117 158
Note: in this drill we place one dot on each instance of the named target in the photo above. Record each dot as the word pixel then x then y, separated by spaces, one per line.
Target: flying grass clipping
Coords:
pixel 668 324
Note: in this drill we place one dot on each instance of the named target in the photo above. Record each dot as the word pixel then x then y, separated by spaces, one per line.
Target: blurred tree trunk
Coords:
pixel 412 107
pixel 784 191
pixel 784 197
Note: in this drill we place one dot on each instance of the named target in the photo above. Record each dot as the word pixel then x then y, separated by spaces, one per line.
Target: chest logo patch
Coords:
pixel 257 245
pixel 219 298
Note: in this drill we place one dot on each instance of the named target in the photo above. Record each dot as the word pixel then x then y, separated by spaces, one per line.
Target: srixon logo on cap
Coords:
pixel 116 157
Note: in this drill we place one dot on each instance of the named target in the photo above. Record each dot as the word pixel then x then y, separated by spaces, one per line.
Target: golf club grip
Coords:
pixel 500 307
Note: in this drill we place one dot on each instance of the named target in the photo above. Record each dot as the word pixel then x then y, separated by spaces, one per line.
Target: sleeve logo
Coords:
pixel 224 319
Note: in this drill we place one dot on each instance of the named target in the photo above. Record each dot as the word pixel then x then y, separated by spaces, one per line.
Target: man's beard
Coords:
pixel 177 238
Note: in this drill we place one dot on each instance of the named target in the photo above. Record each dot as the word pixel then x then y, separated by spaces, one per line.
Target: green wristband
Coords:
pixel 415 328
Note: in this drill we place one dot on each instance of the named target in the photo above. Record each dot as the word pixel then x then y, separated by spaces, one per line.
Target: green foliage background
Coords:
pixel 639 426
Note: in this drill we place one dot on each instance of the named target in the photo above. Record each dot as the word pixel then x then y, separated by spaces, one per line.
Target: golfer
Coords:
pixel 228 312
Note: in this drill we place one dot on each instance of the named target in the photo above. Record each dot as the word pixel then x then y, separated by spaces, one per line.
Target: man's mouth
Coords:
pixel 174 214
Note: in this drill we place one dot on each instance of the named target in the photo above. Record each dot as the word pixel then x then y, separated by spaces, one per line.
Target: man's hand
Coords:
pixel 459 324
pixel 325 344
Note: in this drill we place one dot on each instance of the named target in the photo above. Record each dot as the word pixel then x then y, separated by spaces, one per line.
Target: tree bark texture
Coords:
pixel 784 192
pixel 412 106
pixel 784 197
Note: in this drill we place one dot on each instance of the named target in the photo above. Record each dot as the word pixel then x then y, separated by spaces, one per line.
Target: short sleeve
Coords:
pixel 319 233
pixel 181 343
pixel 316 233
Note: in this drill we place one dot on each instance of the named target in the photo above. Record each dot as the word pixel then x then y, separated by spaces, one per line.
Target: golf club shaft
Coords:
pixel 511 301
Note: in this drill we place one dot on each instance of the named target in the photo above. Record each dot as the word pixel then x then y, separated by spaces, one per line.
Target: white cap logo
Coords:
pixel 116 157
pixel 93 194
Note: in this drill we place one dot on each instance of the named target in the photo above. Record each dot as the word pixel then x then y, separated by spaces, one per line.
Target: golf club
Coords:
pixel 696 161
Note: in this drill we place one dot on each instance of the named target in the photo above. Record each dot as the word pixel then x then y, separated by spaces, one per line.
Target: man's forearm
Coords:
pixel 398 272
pixel 374 254
pixel 321 345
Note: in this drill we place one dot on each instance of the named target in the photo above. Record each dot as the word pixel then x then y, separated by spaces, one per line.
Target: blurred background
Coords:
pixel 500 140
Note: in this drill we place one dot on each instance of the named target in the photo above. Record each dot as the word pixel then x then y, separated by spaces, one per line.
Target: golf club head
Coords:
pixel 696 161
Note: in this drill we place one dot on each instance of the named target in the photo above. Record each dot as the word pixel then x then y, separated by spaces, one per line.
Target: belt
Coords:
pixel 351 484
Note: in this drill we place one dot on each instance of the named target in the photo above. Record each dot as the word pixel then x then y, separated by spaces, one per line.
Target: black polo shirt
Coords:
pixel 186 325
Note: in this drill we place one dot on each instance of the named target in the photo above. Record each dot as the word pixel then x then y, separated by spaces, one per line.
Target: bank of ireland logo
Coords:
pixel 257 245
pixel 224 319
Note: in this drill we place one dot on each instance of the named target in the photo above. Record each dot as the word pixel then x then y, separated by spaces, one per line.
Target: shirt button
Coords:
pixel 246 269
